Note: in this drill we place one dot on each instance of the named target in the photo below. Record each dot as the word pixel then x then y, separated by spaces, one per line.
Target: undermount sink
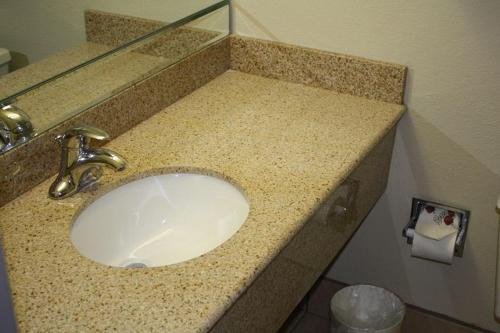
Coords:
pixel 160 220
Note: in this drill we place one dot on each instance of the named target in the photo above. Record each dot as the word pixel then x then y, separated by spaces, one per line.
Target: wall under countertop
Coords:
pixel 447 144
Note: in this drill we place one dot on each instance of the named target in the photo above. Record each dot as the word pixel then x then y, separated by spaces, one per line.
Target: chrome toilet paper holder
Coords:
pixel 463 214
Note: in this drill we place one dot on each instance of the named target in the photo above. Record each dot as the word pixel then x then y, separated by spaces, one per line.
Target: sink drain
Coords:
pixel 136 265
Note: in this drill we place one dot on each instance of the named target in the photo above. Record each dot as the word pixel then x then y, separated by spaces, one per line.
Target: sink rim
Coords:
pixel 105 188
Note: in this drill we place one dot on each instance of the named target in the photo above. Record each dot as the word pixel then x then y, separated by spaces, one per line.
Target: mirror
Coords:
pixel 58 58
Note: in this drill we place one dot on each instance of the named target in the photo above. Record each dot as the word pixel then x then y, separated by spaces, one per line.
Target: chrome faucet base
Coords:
pixel 81 165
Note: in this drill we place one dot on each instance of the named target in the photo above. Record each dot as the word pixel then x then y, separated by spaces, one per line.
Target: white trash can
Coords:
pixel 367 309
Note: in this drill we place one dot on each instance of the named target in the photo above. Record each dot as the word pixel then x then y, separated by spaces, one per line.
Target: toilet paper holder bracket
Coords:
pixel 416 208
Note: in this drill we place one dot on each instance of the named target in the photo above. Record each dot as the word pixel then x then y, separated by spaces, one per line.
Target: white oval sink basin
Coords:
pixel 160 220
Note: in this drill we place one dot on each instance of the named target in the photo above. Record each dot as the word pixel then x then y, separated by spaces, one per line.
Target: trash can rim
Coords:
pixel 370 285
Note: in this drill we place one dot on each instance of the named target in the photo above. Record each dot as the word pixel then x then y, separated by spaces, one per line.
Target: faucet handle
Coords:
pixel 86 131
pixel 82 133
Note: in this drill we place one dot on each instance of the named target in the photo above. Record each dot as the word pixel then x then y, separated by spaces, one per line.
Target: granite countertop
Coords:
pixel 95 82
pixel 87 86
pixel 285 144
pixel 83 88
pixel 55 63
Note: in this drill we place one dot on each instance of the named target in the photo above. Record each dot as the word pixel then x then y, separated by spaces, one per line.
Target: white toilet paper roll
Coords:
pixel 438 250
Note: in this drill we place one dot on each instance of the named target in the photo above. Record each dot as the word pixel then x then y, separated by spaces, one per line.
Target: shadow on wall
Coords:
pixel 444 171
pixel 430 165
pixel 19 60
pixel 247 18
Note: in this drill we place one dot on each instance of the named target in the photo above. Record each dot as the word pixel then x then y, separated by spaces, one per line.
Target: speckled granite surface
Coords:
pixel 178 43
pixel 25 77
pixel 102 79
pixel 115 29
pixel 86 87
pixel 285 144
pixel 276 291
pixel 28 165
pixel 285 62
pixel 339 72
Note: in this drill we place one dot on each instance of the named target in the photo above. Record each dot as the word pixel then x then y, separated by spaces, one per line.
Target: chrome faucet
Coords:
pixel 80 164
pixel 15 127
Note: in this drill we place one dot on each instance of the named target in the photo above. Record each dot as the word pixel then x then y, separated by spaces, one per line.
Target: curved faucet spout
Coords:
pixel 102 156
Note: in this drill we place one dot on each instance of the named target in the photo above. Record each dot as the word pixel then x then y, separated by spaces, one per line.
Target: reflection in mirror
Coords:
pixel 15 127
pixel 69 56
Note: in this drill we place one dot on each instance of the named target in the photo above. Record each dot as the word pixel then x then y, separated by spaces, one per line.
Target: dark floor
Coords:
pixel 313 315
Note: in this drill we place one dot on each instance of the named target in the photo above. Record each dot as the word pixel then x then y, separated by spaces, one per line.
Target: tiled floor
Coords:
pixel 311 323
pixel 313 315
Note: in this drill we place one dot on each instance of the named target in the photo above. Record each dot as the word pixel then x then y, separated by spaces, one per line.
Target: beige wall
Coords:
pixel 447 145
pixel 39 28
